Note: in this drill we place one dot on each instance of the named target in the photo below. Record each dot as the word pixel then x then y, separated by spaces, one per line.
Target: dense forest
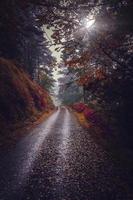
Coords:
pixel 96 42
pixel 97 46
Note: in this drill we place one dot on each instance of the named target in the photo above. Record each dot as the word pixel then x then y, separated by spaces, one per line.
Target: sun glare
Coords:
pixel 89 22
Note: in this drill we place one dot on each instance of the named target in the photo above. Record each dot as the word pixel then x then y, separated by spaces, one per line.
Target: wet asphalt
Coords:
pixel 59 160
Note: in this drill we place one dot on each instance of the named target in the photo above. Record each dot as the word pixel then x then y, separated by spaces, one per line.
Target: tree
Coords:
pixel 69 91
pixel 22 37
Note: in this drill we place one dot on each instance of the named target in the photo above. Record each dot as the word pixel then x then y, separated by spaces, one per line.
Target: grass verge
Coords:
pixel 108 141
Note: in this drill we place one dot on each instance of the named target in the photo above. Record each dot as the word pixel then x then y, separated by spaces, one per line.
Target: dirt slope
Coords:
pixel 20 97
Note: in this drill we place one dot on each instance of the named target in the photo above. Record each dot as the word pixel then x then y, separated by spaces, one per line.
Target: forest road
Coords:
pixel 59 160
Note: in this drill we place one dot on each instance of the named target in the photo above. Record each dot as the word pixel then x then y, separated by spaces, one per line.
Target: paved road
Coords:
pixel 58 160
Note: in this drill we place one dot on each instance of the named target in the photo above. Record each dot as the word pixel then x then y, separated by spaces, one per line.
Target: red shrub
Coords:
pixel 91 115
pixel 95 118
pixel 79 107
pixel 88 113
